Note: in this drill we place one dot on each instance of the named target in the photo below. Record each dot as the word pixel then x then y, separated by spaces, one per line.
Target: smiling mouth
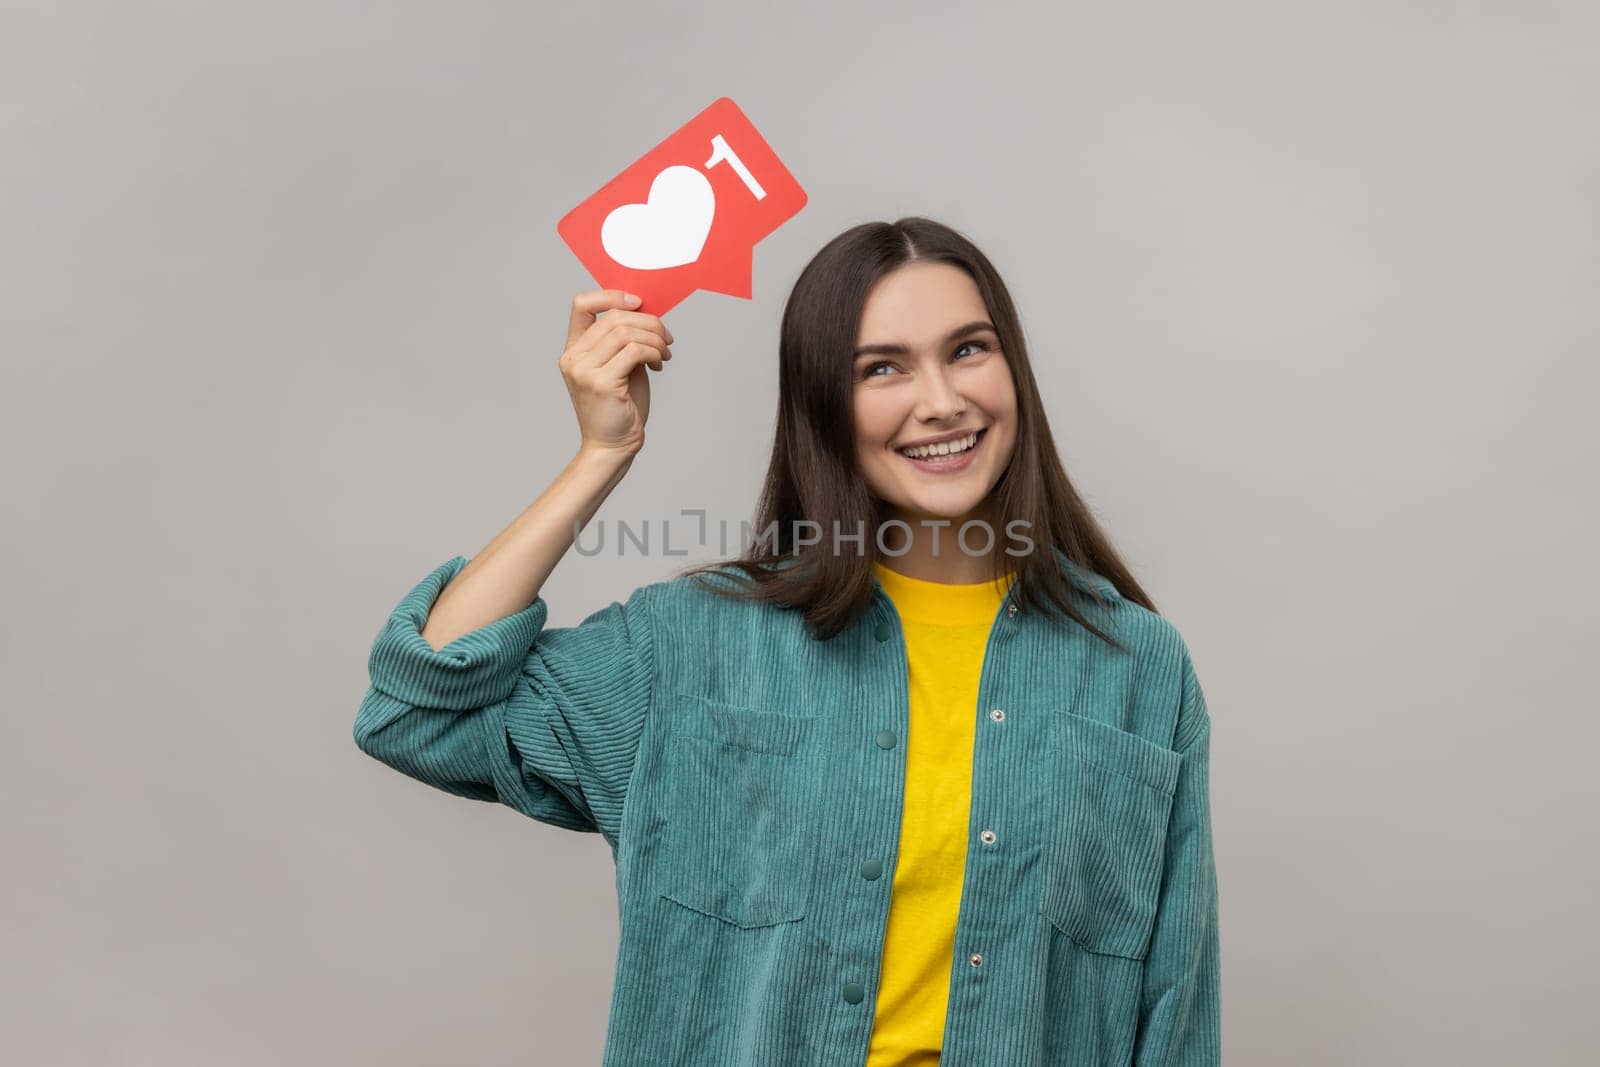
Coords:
pixel 947 451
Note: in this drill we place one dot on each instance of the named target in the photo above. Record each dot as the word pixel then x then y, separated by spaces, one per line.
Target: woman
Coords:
pixel 921 775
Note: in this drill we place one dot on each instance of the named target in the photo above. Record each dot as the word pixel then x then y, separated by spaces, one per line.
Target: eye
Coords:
pixel 867 371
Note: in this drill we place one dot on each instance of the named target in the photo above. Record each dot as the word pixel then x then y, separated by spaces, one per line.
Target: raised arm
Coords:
pixel 470 692
pixel 604 370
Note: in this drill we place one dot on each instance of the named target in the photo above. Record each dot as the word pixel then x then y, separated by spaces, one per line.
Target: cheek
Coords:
pixel 876 423
pixel 991 387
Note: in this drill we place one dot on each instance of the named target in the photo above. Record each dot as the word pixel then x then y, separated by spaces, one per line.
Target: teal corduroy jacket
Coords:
pixel 749 780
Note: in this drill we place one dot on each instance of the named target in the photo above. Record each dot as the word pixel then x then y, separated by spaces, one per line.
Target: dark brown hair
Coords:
pixel 813 476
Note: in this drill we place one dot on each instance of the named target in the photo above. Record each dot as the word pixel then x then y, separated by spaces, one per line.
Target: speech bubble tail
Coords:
pixel 730 272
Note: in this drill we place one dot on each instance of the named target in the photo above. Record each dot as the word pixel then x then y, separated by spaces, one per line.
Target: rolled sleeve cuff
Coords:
pixel 476 669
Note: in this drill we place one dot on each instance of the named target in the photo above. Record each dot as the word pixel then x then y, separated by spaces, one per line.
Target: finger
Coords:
pixel 618 317
pixel 651 357
pixel 615 341
pixel 587 305
pixel 608 335
pixel 612 378
pixel 619 366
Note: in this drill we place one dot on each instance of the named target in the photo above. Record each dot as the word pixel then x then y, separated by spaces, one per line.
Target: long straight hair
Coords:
pixel 814 480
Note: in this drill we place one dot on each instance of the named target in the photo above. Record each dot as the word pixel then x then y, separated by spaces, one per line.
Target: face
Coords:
pixel 929 374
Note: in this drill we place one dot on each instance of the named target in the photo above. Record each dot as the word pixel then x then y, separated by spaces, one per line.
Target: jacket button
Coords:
pixel 976 959
pixel 854 993
pixel 881 631
pixel 1011 610
pixel 872 870
pixel 885 739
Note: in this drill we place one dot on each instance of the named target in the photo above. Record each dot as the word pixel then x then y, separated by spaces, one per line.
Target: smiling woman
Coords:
pixel 895 806
pixel 899 343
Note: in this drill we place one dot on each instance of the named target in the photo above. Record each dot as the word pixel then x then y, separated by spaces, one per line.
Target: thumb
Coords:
pixel 586 306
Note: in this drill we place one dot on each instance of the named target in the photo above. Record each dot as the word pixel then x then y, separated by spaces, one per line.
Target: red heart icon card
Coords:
pixel 688 214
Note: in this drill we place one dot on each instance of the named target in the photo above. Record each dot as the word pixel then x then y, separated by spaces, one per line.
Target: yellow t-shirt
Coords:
pixel 947 630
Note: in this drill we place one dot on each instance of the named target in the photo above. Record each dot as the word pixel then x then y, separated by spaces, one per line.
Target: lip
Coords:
pixel 953 435
pixel 948 466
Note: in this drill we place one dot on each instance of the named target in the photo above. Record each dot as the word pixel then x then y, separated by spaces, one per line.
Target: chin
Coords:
pixel 939 509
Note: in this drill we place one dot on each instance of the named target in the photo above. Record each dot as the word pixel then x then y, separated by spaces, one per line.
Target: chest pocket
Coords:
pixel 742 805
pixel 1107 835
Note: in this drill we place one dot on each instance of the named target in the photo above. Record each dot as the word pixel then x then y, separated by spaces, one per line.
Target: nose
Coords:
pixel 938 399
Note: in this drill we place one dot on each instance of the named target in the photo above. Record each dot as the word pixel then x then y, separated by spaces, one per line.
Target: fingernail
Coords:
pixel 630 298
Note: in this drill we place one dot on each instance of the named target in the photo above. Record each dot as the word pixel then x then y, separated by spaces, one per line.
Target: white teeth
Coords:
pixel 943 448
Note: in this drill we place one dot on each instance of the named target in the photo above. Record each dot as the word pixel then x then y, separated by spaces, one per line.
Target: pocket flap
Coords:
pixel 732 724
pixel 1123 753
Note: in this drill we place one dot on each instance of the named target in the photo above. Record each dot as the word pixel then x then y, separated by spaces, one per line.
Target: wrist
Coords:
pixel 604 455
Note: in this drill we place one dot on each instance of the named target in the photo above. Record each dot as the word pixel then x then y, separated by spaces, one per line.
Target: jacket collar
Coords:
pixel 1086 578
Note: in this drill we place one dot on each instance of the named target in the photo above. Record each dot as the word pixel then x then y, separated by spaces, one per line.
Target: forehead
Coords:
pixel 918 303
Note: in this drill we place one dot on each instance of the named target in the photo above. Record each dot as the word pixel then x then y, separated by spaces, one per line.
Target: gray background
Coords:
pixel 1311 293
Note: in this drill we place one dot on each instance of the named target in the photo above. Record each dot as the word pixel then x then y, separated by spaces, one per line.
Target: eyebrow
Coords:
pixel 901 350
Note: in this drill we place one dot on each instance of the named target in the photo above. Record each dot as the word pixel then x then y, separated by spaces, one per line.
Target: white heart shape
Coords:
pixel 669 229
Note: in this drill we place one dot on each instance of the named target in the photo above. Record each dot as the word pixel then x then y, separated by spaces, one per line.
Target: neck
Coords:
pixel 933 553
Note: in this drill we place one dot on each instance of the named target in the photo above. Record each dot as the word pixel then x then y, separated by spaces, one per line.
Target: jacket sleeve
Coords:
pixel 546 721
pixel 1180 1007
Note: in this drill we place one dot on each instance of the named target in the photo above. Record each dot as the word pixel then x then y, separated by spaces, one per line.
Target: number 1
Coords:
pixel 721 153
